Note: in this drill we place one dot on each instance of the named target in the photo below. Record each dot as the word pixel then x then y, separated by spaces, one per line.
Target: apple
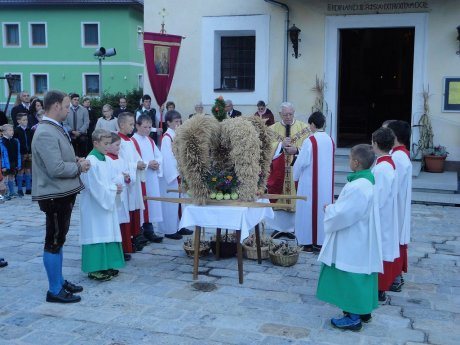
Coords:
pixel 227 196
pixel 212 195
pixel 234 196
pixel 219 196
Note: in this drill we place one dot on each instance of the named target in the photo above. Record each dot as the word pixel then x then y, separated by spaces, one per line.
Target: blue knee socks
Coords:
pixel 19 181
pixel 61 256
pixel 28 179
pixel 53 268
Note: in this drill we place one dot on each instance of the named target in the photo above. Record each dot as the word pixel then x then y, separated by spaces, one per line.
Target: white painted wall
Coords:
pixel 185 18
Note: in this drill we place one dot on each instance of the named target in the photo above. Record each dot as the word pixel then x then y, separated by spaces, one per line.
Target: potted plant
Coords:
pixel 434 158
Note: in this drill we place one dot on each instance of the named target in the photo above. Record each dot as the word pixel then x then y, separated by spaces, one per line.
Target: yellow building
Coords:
pixel 375 58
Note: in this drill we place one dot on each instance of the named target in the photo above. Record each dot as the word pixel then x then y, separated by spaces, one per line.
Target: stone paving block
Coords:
pixel 272 340
pixel 232 336
pixel 200 332
pixel 284 331
pixel 48 336
pixel 12 332
pixel 223 272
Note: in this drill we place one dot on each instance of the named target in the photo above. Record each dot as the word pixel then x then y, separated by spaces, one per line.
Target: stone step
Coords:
pixel 450 199
pixel 445 182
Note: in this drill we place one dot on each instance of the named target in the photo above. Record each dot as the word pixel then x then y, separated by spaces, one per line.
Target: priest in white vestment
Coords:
pixel 314 172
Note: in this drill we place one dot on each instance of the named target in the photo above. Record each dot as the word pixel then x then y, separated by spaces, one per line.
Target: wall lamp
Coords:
pixel 294 36
pixel 458 39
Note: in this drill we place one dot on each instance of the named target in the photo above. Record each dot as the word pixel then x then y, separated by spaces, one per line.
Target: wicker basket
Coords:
pixel 284 260
pixel 251 252
pixel 190 251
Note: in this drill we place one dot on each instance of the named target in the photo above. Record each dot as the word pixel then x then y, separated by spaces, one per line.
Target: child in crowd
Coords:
pixel 170 224
pixel 352 253
pixel 386 189
pixel 39 116
pixel 135 166
pixel 107 121
pixel 11 158
pixel 120 175
pixel 151 156
pixel 401 158
pixel 100 235
pixel 24 134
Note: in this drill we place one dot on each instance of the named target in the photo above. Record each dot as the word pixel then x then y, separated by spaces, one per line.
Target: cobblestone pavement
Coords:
pixel 153 301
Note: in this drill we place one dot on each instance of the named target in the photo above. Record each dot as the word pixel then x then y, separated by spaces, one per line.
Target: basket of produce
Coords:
pixel 284 252
pixel 227 245
pixel 189 248
pixel 250 247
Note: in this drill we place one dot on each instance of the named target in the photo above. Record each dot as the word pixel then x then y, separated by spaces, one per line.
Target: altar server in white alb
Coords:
pixel 314 171
pixel 100 234
pixel 170 224
pixel 136 166
pixel 386 188
pixel 401 158
pixel 352 252
pixel 120 174
pixel 153 159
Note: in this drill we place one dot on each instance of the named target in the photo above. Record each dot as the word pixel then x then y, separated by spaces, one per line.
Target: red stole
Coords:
pixel 388 159
pixel 403 149
pixel 123 136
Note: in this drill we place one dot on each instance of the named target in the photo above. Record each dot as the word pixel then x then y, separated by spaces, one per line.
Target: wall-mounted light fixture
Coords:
pixel 458 39
pixel 294 36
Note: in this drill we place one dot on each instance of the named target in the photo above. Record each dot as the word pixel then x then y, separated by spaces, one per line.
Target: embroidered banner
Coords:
pixel 161 52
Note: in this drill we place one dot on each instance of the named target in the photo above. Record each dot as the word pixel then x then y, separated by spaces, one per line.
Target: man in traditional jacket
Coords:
pixel 314 172
pixel 290 135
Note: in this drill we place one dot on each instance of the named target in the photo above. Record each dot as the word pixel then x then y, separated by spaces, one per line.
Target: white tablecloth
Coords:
pixel 225 217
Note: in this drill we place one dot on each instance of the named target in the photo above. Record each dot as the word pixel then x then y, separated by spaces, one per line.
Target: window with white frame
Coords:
pixel 91 84
pixel 37 34
pixel 237 62
pixel 90 34
pixel 235 58
pixel 140 38
pixel 140 81
pixel 11 35
pixel 39 84
pixel 13 80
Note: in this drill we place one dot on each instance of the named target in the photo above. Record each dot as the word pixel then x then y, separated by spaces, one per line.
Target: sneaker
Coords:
pixel 366 318
pixel 99 276
pixel 113 272
pixel 7 197
pixel 350 322
pixel 175 236
pixel 185 232
pixel 14 195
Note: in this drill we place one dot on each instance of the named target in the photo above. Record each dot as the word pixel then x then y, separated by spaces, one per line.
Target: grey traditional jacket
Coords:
pixel 55 173
pixel 77 120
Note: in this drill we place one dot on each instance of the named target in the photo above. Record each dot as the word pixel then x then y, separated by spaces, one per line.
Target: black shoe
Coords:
pixel 113 272
pixel 28 192
pixel 396 286
pixel 3 263
pixel 137 247
pixel 366 318
pixel 175 236
pixel 148 227
pixel 185 232
pixel 308 248
pixel 62 297
pixel 382 296
pixel 20 193
pixel 316 248
pixel 69 287
pixel 140 239
pixel 127 256
pixel 152 237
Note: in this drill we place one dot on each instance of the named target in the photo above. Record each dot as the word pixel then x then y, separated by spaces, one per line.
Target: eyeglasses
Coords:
pixel 261 108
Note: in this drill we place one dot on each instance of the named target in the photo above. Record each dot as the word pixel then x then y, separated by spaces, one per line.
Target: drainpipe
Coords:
pixel 285 62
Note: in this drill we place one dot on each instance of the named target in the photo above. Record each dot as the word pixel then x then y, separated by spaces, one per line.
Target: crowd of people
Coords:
pixel 361 237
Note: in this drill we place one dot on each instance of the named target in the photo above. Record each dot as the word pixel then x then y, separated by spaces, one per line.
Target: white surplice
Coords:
pixel 150 152
pixel 170 223
pixel 404 176
pixel 117 168
pixel 314 170
pixel 98 214
pixel 352 228
pixel 386 189
pixel 130 155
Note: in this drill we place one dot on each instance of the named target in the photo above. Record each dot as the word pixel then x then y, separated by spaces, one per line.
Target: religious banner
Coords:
pixel 161 52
